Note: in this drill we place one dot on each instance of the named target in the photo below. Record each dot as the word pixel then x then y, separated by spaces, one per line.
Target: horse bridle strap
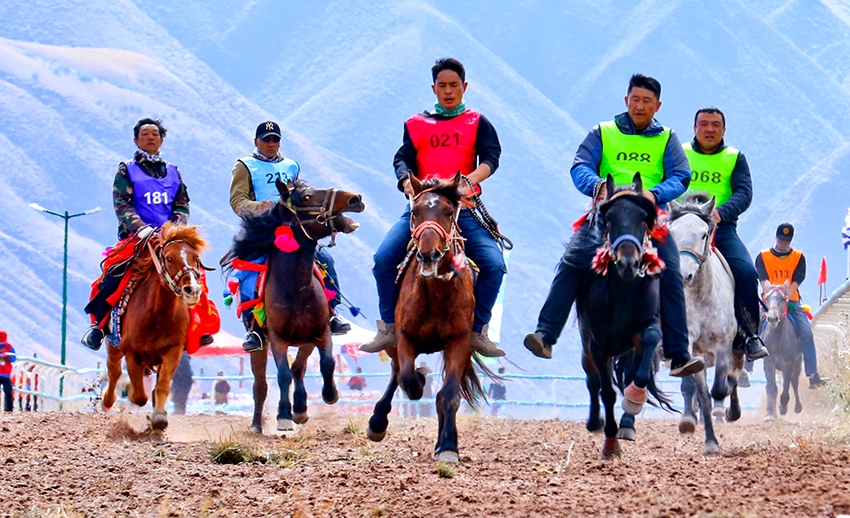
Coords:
pixel 165 278
pixel 324 213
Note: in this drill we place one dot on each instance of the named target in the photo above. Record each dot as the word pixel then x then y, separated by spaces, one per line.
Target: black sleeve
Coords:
pixel 760 268
pixel 742 191
pixel 487 145
pixel 800 273
pixel 405 159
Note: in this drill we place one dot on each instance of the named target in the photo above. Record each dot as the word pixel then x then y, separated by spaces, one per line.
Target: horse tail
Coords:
pixel 470 386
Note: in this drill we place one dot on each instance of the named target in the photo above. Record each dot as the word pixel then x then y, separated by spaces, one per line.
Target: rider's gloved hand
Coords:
pixel 145 231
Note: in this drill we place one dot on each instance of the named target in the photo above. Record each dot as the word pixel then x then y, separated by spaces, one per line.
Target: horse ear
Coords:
pixel 609 187
pixel 455 183
pixel 283 189
pixel 637 184
pixel 415 184
pixel 708 207
pixel 674 206
pixel 786 284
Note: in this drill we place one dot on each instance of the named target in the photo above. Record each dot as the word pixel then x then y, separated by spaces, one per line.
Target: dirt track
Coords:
pixel 96 465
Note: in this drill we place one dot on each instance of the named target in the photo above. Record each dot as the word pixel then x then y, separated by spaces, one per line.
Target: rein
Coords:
pixel 323 215
pixel 451 239
pixel 165 278
pixel 706 252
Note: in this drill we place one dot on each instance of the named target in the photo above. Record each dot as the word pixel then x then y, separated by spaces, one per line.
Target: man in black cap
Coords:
pixel 252 191
pixel 782 263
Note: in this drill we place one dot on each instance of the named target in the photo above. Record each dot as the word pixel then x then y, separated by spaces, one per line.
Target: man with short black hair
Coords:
pixel 782 263
pixel 633 142
pixel 438 144
pixel 722 171
pixel 253 190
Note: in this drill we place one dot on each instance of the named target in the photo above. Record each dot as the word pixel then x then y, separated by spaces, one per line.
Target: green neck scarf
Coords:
pixel 454 112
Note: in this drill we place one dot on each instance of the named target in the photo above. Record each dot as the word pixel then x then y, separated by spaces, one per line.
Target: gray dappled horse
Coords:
pixel 710 301
pixel 786 356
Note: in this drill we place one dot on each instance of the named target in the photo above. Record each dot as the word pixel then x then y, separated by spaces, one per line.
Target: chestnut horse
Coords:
pixel 434 313
pixel 296 307
pixel 168 281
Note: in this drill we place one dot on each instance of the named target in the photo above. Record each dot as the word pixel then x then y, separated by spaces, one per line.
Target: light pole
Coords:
pixel 66 217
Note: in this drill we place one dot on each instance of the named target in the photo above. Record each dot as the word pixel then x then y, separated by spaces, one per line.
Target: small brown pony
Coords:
pixel 168 282
pixel 297 312
pixel 434 313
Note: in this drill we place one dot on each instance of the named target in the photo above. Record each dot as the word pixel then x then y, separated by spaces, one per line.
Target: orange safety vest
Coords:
pixel 444 147
pixel 781 269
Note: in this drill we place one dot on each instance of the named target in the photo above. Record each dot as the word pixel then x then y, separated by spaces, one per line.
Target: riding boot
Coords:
pixel 93 338
pixel 339 326
pixel 481 344
pixel 253 340
pixel 385 338
pixel 754 346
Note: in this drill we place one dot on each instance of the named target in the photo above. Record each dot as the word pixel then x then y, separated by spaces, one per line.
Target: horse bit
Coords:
pixel 324 215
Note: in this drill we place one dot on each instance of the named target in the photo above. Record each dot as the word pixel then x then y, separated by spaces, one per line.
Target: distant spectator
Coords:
pixel 357 383
pixel 7 357
pixel 497 392
pixel 222 389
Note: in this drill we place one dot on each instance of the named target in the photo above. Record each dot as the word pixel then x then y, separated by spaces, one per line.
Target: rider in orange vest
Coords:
pixel 782 263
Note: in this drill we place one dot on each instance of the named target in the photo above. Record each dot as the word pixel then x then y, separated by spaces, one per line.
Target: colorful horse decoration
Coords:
pixel 618 312
pixel 786 355
pixel 434 313
pixel 710 299
pixel 168 280
pixel 296 306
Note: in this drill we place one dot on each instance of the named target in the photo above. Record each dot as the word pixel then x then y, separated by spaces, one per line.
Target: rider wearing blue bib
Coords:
pixel 633 142
pixel 723 172
pixel 253 190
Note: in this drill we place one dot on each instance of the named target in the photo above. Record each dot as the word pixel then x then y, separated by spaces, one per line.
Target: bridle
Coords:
pixel 607 252
pixel 451 239
pixel 784 293
pixel 706 252
pixel 322 214
pixel 164 277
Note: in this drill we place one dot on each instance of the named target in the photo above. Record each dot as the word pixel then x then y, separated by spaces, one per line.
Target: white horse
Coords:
pixel 710 301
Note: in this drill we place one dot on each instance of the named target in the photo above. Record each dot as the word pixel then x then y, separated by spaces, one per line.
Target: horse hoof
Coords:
pixel 733 414
pixel 446 456
pixel 769 418
pixel 285 425
pixel 256 429
pixel 632 408
pixel 687 424
pixel 595 427
pixel 157 436
pixel 710 448
pixel 611 448
pixel 375 436
pixel 159 421
pixel 331 400
pixel 300 417
pixel 718 411
pixel 627 434
pixel 798 408
pixel 783 410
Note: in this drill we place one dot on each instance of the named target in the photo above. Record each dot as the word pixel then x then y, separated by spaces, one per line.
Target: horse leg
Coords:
pixel 284 379
pixel 733 412
pixel 378 423
pixel 136 390
pixel 770 388
pixel 594 421
pixel 299 395
pixel 795 383
pixel 688 422
pixel 786 392
pixel 113 366
pixel 259 361
pixel 159 419
pixel 330 394
pixel 611 447
pixel 627 427
pixel 411 380
pixel 457 364
pixel 711 445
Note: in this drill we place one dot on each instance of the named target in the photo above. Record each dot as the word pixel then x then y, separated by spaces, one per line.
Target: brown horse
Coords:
pixel 296 307
pixel 434 313
pixel 168 282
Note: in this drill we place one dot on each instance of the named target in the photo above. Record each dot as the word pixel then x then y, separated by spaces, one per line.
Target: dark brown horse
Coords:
pixel 297 312
pixel 168 281
pixel 434 313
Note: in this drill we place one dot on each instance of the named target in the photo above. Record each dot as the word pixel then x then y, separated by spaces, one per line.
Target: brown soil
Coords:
pixel 95 464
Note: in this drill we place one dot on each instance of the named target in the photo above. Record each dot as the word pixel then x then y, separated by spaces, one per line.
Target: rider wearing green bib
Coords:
pixel 634 142
pixel 722 171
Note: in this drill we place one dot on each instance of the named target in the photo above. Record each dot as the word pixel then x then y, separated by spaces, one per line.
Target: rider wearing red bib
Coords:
pixel 440 144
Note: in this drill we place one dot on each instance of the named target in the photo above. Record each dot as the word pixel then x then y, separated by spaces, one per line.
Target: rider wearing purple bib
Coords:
pixel 147 192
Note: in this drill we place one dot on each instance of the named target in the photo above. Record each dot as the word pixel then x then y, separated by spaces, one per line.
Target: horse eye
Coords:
pixel 168 259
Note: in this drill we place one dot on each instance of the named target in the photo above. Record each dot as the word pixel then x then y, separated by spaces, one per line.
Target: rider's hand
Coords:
pixel 264 205
pixel 408 188
pixel 715 216
pixel 649 195
pixel 145 231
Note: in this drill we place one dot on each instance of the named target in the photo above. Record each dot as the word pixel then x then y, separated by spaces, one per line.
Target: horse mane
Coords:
pixel 257 233
pixel 691 205
pixel 442 187
pixel 143 265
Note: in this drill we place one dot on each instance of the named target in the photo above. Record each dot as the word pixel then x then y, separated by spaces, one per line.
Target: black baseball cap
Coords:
pixel 785 231
pixel 268 128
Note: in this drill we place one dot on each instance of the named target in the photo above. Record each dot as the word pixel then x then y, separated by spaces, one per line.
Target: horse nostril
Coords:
pixel 420 257
pixel 354 200
pixel 187 290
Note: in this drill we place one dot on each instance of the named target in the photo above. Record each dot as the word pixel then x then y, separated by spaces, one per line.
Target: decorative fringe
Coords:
pixel 285 240
pixel 579 222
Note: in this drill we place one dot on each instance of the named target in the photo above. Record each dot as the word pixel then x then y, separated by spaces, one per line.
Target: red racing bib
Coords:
pixel 444 147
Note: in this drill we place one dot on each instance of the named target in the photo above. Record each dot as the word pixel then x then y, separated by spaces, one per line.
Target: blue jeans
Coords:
pixel 480 247
pixel 323 256
pixel 743 270
pixel 569 278
pixel 807 339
